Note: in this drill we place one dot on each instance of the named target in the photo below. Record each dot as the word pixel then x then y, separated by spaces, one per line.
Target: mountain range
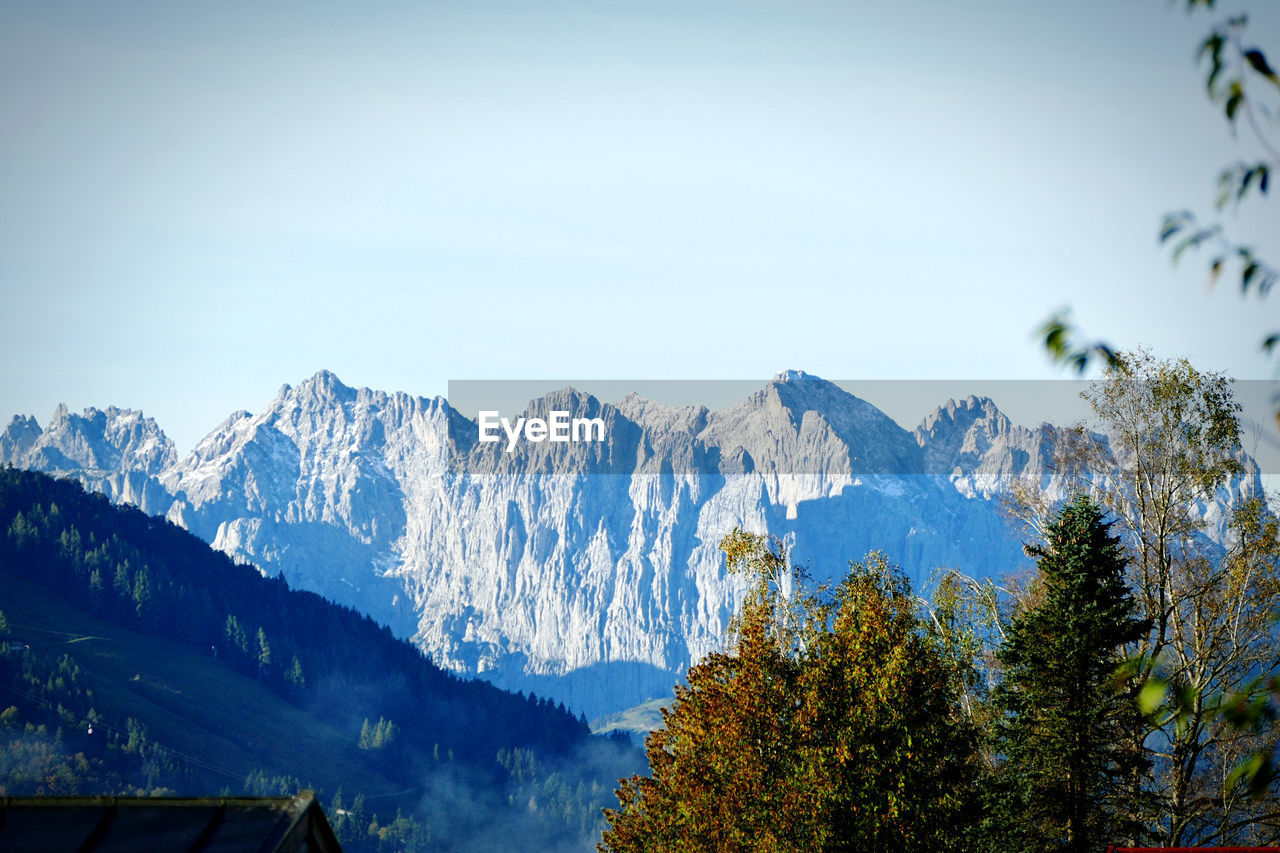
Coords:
pixel 587 572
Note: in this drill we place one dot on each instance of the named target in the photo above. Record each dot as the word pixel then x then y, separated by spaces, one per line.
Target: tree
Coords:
pixel 726 765
pixel 1168 443
pixel 828 725
pixel 264 654
pixel 1063 732
pixel 378 735
pixel 236 636
pixel 891 751
pixel 142 593
pixel 294 674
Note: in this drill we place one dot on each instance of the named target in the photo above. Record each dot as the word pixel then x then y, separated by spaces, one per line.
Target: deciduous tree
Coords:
pixel 831 723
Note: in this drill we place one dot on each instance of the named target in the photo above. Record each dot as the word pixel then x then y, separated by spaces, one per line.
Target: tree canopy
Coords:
pixel 832 722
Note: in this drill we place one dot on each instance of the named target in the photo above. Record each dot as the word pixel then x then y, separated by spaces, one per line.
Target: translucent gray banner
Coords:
pixel 791 425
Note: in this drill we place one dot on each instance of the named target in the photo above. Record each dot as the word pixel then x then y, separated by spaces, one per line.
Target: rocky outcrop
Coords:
pixel 588 572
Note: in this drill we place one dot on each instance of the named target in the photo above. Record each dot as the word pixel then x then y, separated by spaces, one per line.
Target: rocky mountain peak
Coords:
pixel 323 387
pixel 567 399
pixel 659 418
pixel 979 449
pixel 872 442
pixel 111 440
pixel 19 437
pixel 950 423
pixel 599 591
pixel 795 376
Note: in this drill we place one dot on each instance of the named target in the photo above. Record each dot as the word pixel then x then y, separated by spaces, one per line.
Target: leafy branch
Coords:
pixel 1060 341
pixel 1234 68
pixel 1234 71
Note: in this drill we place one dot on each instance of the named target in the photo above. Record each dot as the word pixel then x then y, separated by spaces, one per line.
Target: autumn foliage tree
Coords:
pixel 892 753
pixel 831 723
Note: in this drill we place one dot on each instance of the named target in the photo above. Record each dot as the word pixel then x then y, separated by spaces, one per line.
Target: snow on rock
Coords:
pixel 586 572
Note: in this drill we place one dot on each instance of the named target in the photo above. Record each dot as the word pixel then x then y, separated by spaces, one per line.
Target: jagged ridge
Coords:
pixel 587 572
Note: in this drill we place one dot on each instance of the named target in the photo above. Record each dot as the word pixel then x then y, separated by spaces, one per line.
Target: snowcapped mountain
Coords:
pixel 587 572
pixel 117 452
pixel 114 440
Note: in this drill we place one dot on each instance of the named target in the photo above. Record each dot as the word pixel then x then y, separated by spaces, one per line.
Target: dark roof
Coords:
pixel 108 824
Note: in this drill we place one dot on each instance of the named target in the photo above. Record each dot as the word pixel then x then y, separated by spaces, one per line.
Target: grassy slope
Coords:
pixel 636 722
pixel 214 717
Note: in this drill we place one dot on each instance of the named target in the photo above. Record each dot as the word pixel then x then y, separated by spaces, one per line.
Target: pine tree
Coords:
pixel 366 736
pixel 236 636
pixel 264 654
pixel 294 675
pixel 142 593
pixel 1064 720
pixel 121 584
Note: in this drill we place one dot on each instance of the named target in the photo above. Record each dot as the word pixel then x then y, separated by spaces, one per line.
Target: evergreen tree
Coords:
pixel 264 654
pixel 236 636
pixel 1064 727
pixel 294 675
pixel 123 588
pixel 366 735
pixel 142 592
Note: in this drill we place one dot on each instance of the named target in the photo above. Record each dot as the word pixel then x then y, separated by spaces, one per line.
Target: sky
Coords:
pixel 202 202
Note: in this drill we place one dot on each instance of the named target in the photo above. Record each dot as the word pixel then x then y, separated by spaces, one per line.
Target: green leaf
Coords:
pixel 1226 183
pixel 1186 695
pixel 1173 223
pixel 1152 695
pixel 1109 355
pixel 1269 278
pixel 1259 64
pixel 1233 103
pixel 1246 277
pixel 1212 46
pixel 1256 772
pixel 1188 243
pixel 1244 183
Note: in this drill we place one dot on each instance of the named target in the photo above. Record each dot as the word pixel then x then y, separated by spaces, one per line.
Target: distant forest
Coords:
pixel 406 717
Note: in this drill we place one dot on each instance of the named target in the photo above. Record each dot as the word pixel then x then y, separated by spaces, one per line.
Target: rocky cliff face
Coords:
pixel 587 572
pixel 978 449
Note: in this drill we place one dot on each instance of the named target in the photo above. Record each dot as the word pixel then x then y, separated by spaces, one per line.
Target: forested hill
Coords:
pixel 73 564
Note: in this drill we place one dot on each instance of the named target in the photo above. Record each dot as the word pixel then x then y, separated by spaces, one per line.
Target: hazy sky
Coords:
pixel 201 202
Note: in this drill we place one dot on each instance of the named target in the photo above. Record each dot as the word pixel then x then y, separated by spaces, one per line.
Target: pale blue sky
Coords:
pixel 199 204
